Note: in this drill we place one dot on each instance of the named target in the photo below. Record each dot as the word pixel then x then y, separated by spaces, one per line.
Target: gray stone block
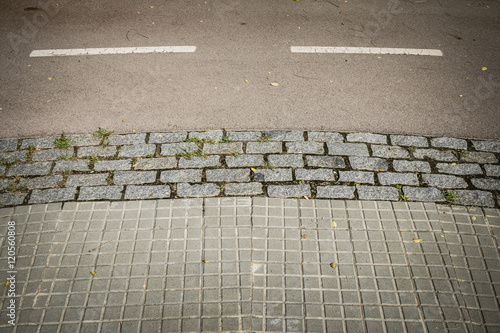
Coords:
pixel 477 198
pixel 367 138
pixel 8 145
pixel 460 169
pixel 409 141
pixel 412 166
pixel 356 177
pixel 134 177
pixel 479 157
pixel 305 147
pixel 243 189
pixel 178 176
pixel 4 183
pixel 368 163
pixel 87 180
pixel 171 149
pixel 389 152
pixel 377 193
pixel 84 140
pixel 100 193
pixel 422 193
pixel 51 154
pixel 438 155
pixel 167 137
pixel 276 175
pixel 34 169
pixel 289 190
pixel 325 136
pixel 199 162
pixel 334 162
pixel 147 192
pixel 244 136
pixel 286 160
pixel 2 169
pixel 139 150
pixel 244 161
pixel 315 174
pixel 393 178
pixel 264 147
pixel 335 192
pixel 47 142
pixel 203 190
pixel 127 139
pixel 223 148
pixel 208 135
pixel 41 182
pixel 228 175
pixel 285 135
pixel 156 163
pixel 492 170
pixel 11 199
pixel 486 184
pixel 71 165
pixel 348 149
pixel 444 181
pixel 97 151
pixel 449 143
pixel 491 146
pixel 52 195
pixel 15 156
pixel 113 165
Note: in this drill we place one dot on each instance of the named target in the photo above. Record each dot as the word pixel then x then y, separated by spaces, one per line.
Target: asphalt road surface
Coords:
pixel 241 48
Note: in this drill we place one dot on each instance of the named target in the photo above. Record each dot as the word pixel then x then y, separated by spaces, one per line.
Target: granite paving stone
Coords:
pixel 244 136
pixel 284 135
pixel 127 139
pixel 444 181
pixel 356 177
pixel 491 146
pixel 335 192
pixel 367 138
pixel 178 176
pixel 492 170
pixel 155 163
pixel 100 192
pixel 47 142
pixel 138 150
pixel 2 169
pixel 223 148
pixel 202 190
pixel 348 149
pixel 87 180
pixel 368 163
pixel 51 154
pixel 289 190
pixel 167 137
pixel 147 192
pixel 264 147
pixel 84 140
pixel 422 193
pixel 10 199
pixel 305 148
pixel 15 156
pixel 479 157
pixel 389 151
pixel 434 154
pixel 5 183
pixel 334 162
pixel 315 174
pixel 245 161
pixel 97 151
pixel 243 189
pixel 33 169
pixel 226 175
pixel 71 165
pixel 134 177
pixel 452 143
pixel 411 166
pixel 8 145
pixel 393 178
pixel 409 141
pixel 171 149
pixel 113 165
pixel 486 183
pixel 285 160
pixel 208 135
pixel 478 198
pixel 52 195
pixel 325 136
pixel 268 175
pixel 377 193
pixel 199 162
pixel 459 169
pixel 41 182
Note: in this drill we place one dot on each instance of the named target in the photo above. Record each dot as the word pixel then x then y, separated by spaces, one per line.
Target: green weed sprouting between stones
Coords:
pixel 225 139
pixel 269 166
pixel 189 155
pixel 450 197
pixel 403 197
pixel 63 142
pixel 103 135
pixel 460 153
pixel 30 152
pixel 263 138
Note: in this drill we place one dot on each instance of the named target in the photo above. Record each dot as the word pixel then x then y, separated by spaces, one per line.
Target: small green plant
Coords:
pixel 66 172
pixel 189 155
pixel 109 180
pixel 403 197
pixel 222 187
pixel 11 188
pixel 8 164
pixel 148 156
pixel 235 154
pixel 263 138
pixel 301 182
pixel 460 153
pixel 61 184
pixel 92 160
pixel 450 197
pixel 269 166
pixel 411 148
pixel 30 152
pixel 103 135
pixel 198 141
pixel 225 139
pixel 399 186
pixel 63 142
pixel 63 158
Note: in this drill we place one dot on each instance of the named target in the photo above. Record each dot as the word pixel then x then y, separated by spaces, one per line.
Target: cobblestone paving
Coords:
pixel 253 264
pixel 221 163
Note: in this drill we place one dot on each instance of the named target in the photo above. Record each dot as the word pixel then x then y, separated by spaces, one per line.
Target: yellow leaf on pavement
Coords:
pixel 93 273
pixel 7 283
pixel 253 169
pixel 484 68
pixel 334 224
pixel 275 84
pixel 334 265
pixel 417 240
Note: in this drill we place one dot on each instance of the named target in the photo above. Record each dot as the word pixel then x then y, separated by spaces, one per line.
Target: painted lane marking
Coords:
pixel 112 50
pixel 365 50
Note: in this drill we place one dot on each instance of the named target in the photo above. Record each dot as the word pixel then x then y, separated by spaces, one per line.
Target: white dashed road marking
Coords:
pixel 366 50
pixel 112 50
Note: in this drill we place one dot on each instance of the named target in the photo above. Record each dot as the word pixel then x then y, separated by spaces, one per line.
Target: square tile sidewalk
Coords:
pixel 252 264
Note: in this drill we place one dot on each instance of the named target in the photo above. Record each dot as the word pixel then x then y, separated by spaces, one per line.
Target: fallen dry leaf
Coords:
pixel 334 224
pixel 305 196
pixel 206 261
pixel 7 283
pixel 253 169
pixel 275 84
pixel 93 273
pixel 417 240
pixel 342 12
pixel 334 265
pixel 473 218
pixel 484 68
pixel 304 236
